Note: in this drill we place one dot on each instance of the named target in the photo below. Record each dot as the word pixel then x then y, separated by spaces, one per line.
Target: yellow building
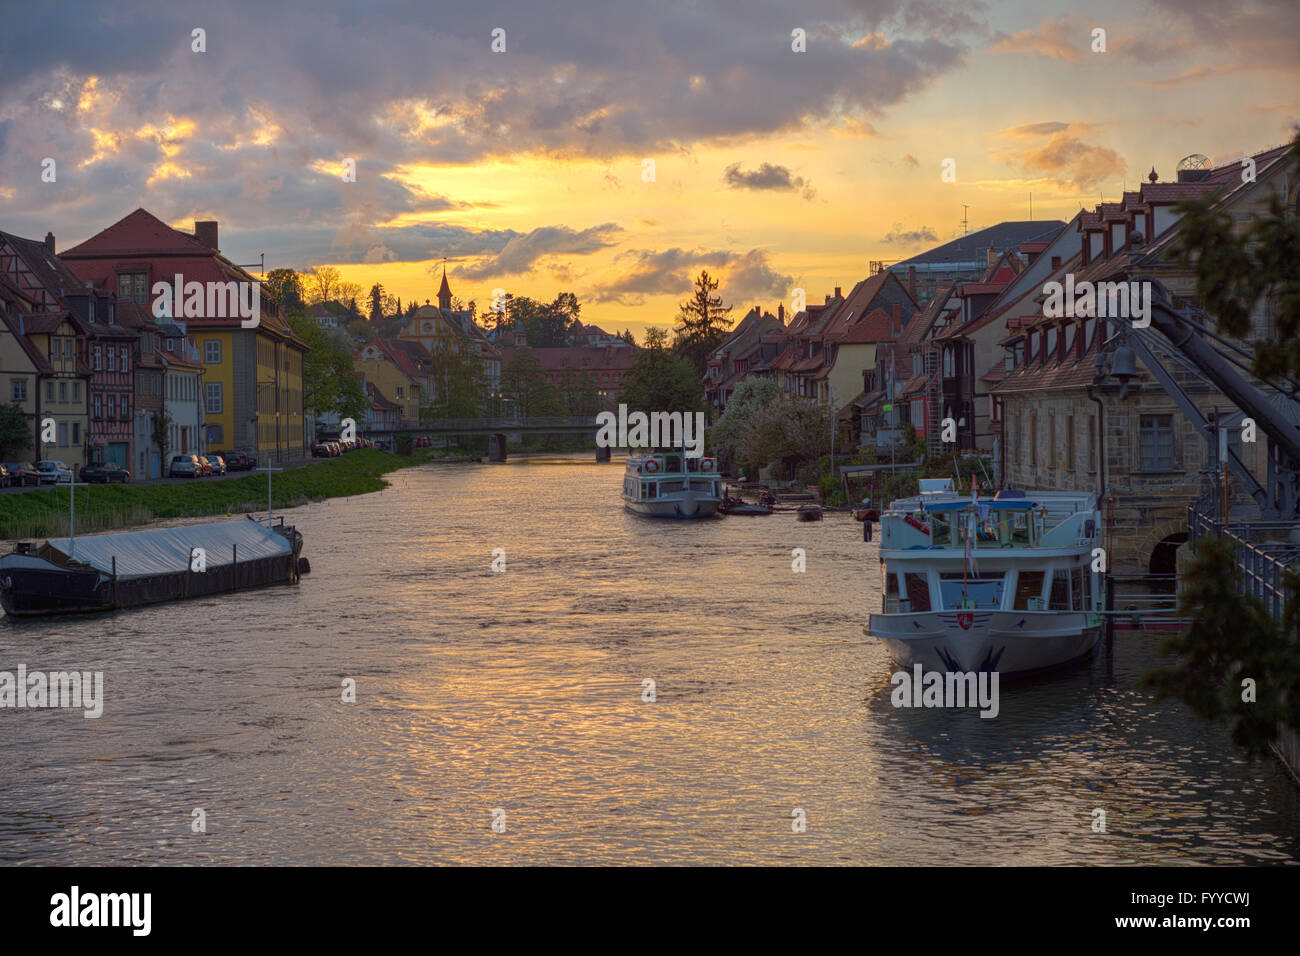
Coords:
pixel 61 391
pixel 21 367
pixel 393 372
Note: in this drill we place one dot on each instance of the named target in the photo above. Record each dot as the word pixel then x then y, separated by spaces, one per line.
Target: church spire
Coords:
pixel 444 291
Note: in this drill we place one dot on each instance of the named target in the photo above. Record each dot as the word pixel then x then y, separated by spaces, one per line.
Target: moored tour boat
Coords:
pixel 670 485
pixel 1002 584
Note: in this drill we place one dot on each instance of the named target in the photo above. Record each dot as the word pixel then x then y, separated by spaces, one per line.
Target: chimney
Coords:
pixel 780 312
pixel 49 242
pixel 898 318
pixel 205 232
pixel 837 292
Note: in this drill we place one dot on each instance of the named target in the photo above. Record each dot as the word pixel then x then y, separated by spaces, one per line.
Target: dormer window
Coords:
pixel 131 286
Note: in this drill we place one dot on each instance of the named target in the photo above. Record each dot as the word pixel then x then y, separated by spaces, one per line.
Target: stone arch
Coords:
pixel 1160 533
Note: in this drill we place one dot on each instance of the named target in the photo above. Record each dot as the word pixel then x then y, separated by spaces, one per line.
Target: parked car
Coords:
pixel 185 466
pixel 4 476
pixel 22 473
pixel 320 450
pixel 218 464
pixel 205 466
pixel 235 460
pixel 53 472
pixel 252 459
pixel 105 472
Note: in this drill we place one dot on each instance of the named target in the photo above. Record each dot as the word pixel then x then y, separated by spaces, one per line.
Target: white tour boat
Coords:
pixel 670 485
pixel 1002 584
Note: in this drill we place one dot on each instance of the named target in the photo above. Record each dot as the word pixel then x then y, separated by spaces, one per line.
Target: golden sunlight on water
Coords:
pixel 523 691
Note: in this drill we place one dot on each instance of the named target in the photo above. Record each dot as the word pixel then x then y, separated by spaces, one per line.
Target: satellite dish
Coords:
pixel 1194 161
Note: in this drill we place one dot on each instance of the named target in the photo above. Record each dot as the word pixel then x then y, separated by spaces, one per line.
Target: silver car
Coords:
pixel 184 466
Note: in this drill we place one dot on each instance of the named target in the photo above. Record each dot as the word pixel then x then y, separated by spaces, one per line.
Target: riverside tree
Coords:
pixel 660 381
pixel 526 386
pixel 329 381
pixel 15 430
pixel 729 433
pixel 702 323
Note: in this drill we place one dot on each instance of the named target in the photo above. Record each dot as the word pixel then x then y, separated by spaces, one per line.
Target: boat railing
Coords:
pixel 1000 528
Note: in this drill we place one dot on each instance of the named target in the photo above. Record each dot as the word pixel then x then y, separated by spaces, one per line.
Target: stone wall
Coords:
pixel 1051 445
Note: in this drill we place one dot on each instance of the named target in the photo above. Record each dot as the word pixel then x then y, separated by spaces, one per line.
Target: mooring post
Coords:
pixel 234 567
pixel 1109 581
pixel 114 582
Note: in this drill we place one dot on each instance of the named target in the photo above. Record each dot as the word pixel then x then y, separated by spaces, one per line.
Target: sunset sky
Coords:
pixel 773 168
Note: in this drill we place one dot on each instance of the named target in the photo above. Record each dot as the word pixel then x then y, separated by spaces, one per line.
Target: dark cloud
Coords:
pixel 767 176
pixel 743 275
pixel 253 131
pixel 901 236
pixel 521 252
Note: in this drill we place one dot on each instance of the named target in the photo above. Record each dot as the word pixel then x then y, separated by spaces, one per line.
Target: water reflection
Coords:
pixel 522 690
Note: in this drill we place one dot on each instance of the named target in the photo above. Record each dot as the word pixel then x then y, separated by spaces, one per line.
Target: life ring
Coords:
pixel 651 466
pixel 916 524
pixel 706 465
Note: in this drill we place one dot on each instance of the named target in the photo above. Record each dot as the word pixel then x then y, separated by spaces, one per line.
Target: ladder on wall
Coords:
pixel 933 401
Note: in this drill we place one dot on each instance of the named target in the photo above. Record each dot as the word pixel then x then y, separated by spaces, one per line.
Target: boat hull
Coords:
pixel 681 504
pixel 37 588
pixel 1008 642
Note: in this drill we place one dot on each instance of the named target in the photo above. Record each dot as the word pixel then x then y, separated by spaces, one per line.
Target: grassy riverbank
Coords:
pixel 44 514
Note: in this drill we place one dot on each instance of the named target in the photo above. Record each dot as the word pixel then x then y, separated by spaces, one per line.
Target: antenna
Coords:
pixel 965 225
pixel 261 266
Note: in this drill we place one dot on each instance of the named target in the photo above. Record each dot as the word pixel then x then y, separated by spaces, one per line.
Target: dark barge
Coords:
pixel 111 571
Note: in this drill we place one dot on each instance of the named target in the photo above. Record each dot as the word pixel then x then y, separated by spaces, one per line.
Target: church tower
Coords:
pixel 444 291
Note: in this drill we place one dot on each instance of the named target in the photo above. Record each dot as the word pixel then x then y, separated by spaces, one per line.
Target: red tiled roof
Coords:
pixel 139 233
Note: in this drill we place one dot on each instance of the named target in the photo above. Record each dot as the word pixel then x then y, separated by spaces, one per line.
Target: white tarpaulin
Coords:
pixel 143 554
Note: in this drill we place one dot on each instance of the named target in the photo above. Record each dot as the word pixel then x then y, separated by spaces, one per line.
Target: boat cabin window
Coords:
pixel 891 593
pixel 1059 600
pixel 941 525
pixel 669 486
pixel 672 462
pixel 1019 527
pixel 647 489
pixel 917 587
pixel 1078 588
pixel 1029 584
pixel 959 591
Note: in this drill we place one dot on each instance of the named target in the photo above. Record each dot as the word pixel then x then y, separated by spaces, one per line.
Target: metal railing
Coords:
pixel 539 423
pixel 1264 553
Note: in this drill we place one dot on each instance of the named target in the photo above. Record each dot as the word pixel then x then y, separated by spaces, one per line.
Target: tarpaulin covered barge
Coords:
pixel 110 571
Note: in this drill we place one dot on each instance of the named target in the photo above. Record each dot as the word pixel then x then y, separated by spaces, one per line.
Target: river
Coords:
pixel 522 691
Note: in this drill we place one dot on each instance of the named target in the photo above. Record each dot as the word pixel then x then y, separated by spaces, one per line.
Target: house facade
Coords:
pixel 1067 421
pixel 252 382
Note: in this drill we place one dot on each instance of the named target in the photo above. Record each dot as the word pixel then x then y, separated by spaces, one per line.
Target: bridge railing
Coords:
pixel 499 424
